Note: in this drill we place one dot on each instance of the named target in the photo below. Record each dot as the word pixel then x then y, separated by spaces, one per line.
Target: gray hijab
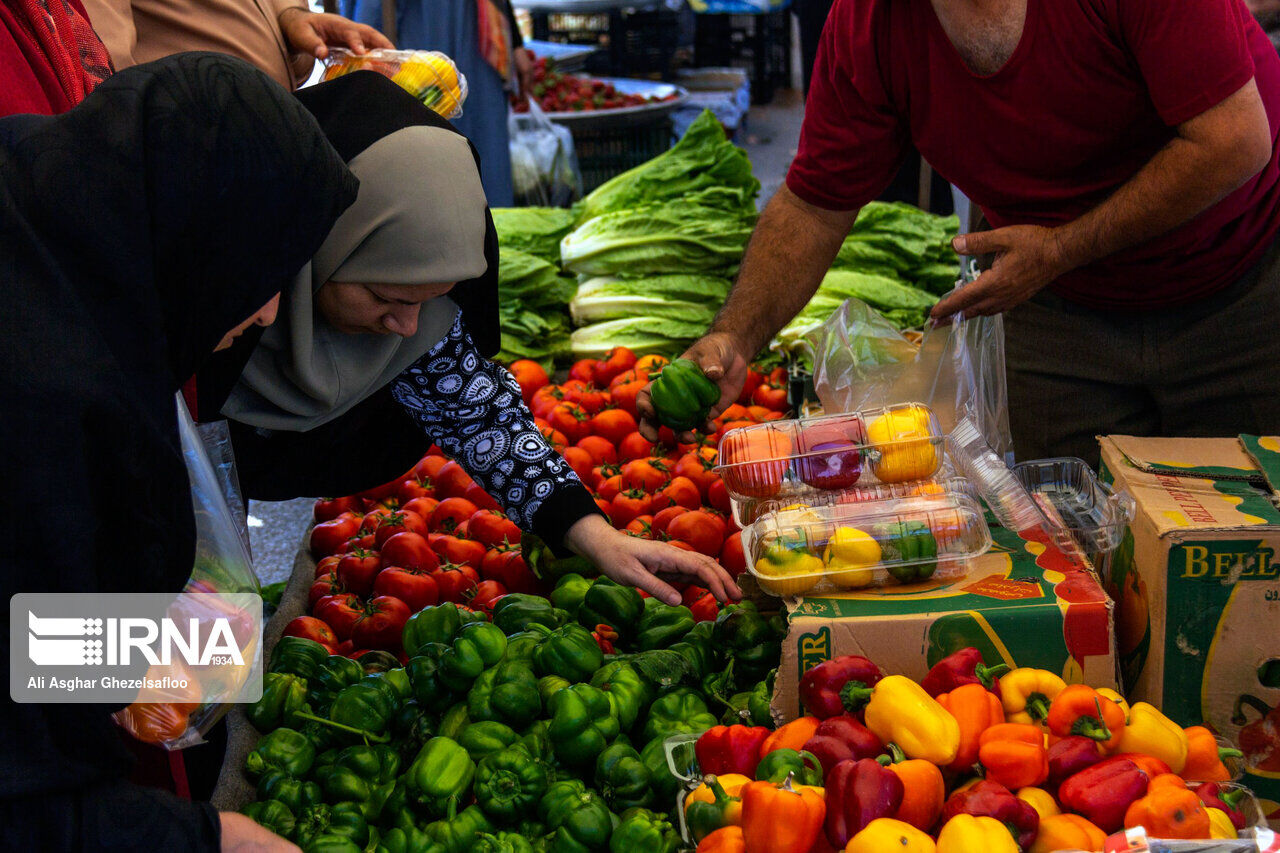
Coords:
pixel 419 218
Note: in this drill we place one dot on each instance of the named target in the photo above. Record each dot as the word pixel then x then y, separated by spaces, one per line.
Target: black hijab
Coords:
pixel 135 231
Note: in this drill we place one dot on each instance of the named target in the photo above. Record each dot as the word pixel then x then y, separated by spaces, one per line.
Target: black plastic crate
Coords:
pixel 651 43
pixel 606 152
pixel 760 44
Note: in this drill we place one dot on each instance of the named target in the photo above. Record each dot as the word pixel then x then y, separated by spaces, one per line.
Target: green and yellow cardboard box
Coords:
pixel 1023 603
pixel 1197 589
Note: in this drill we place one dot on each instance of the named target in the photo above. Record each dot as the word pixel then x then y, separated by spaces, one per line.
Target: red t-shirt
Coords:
pixel 1091 93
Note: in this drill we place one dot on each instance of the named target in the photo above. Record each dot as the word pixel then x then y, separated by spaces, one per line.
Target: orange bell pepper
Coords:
pixel 1067 832
pixel 923 790
pixel 1014 755
pixel 779 819
pixel 1081 710
pixel 976 709
pixel 1169 810
pixel 794 735
pixel 1149 764
pixel 1204 757
pixel 726 839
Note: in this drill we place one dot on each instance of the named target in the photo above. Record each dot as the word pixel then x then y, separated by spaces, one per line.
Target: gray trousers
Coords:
pixel 1209 368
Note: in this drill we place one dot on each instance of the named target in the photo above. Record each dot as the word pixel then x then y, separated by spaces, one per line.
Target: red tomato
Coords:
pixel 482 499
pixel 506 565
pixel 634 446
pixel 530 376
pixel 452 481
pixel 772 396
pixel 311 628
pixel 415 587
pixel 340 612
pixel 422 506
pixel 614 425
pixel 699 529
pixel 357 570
pixel 455 585
pixel 603 506
pixel 617 360
pixel 599 474
pixel 415 487
pixel 583 370
pixel 705 608
pixel 732 556
pixel 492 528
pixel 641 526
pixel 626 377
pixel 400 521
pixel 753 380
pixel 428 468
pixel 368 542
pixel 718 497
pixel 569 419
pixel 681 491
pixel 650 364
pixel 625 506
pixel 624 395
pixel 662 518
pixel 647 475
pixel 328 565
pixel 462 551
pixel 592 399
pixel 327 509
pixel 373 518
pixel 697 466
pixel 487 592
pixel 601 449
pixel 759 413
pixel 734 412
pixel 329 536
pixel 450 513
pixel 409 551
pixel 380 624
pixel 323 586
pixel 610 487
pixel 579 460
pixel 683 546
pixel 555 437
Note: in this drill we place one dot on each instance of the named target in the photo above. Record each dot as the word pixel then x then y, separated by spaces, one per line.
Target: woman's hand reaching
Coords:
pixel 646 564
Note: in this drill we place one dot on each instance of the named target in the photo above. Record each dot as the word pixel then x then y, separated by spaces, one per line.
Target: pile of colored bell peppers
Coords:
pixel 973 758
pixel 505 734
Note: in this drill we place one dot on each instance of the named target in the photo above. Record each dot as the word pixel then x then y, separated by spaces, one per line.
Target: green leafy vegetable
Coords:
pixel 679 237
pixel 536 230
pixel 691 298
pixel 658 335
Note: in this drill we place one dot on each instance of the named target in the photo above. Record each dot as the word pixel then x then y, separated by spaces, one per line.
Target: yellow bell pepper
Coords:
pixel 1067 832
pixel 1027 693
pixel 1041 800
pixel 787 568
pixel 885 833
pixel 965 833
pixel 1108 693
pixel 1152 733
pixel 901 712
pixel 851 556
pixel 733 783
pixel 1220 825
pixel 903 445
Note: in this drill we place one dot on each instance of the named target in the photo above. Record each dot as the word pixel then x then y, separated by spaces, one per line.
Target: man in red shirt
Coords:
pixel 1124 152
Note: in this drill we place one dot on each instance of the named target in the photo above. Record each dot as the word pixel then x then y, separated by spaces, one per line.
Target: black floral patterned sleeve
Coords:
pixel 471 407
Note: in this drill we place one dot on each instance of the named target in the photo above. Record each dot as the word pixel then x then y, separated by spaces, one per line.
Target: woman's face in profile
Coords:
pixel 376 309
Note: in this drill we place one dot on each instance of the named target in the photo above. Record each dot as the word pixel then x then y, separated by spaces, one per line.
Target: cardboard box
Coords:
pixel 1024 603
pixel 1197 589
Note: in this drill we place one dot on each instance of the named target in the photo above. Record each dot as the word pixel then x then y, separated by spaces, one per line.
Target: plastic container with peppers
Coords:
pixel 429 76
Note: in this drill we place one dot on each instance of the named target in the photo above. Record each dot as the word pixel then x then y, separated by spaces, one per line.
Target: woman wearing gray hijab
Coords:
pixel 391 309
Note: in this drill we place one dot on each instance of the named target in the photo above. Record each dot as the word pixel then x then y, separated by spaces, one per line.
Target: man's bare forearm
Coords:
pixel 788 254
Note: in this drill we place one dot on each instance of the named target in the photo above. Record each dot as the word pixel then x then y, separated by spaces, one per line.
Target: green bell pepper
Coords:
pixel 570 652
pixel 457 833
pixel 507 693
pixel 454 722
pixel 297 656
pixel 612 604
pixel 406 839
pixel 476 648
pixel 776 765
pixel 582 724
pixel 663 625
pixel 440 777
pixel 698 649
pixel 704 818
pixel 343 819
pixel 332 844
pixel 531 829
pixel 272 815
pixel 283 749
pixel 641 829
pixel 569 592
pixel 365 709
pixel 682 395
pixel 522 646
pixel 622 778
pixel 516 611
pixel 411 727
pixel 912 541
pixel 509 785
pixel 665 785
pixel 627 689
pixel 760 703
pixel 424 677
pixel 537 743
pixel 282 694
pixel 749 640
pixel 681 710
pixel 502 842
pixel 438 623
pixel 397 811
pixel 578 818
pixel 481 740
pixel 364 775
pixel 295 793
pixel 332 675
pixel 550 685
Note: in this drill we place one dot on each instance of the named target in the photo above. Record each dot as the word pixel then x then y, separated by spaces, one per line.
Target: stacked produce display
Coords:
pixel 559 92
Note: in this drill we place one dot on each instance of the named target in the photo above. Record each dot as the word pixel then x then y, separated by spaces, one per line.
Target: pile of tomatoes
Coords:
pixel 556 92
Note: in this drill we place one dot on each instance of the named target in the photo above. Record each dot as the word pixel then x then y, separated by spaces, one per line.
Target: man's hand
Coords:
pixel 1028 257
pixel 241 834
pixel 647 564
pixel 315 32
pixel 524 70
pixel 721 359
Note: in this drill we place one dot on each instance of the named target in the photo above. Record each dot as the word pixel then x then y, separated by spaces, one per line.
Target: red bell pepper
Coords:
pixel 840 739
pixel 1216 795
pixel 730 749
pixel 821 687
pixel 963 667
pixel 1069 756
pixel 1103 792
pixel 991 799
pixel 858 792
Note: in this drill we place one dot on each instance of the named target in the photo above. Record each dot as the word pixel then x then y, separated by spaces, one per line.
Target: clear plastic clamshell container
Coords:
pixel 841 547
pixel 428 75
pixel 790 460
pixel 746 512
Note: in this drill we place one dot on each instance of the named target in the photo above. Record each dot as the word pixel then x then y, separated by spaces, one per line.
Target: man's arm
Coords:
pixel 1212 155
pixel 789 252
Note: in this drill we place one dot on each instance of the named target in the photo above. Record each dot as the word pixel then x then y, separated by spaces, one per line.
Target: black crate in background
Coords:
pixel 604 153
pixel 760 44
pixel 649 43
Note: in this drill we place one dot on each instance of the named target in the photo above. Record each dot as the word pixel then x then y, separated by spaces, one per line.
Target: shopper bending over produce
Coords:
pixel 383 338
pixel 1125 153
pixel 131 245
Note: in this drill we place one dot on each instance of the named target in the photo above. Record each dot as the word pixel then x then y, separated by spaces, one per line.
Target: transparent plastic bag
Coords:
pixel 222 565
pixel 544 163
pixel 428 75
